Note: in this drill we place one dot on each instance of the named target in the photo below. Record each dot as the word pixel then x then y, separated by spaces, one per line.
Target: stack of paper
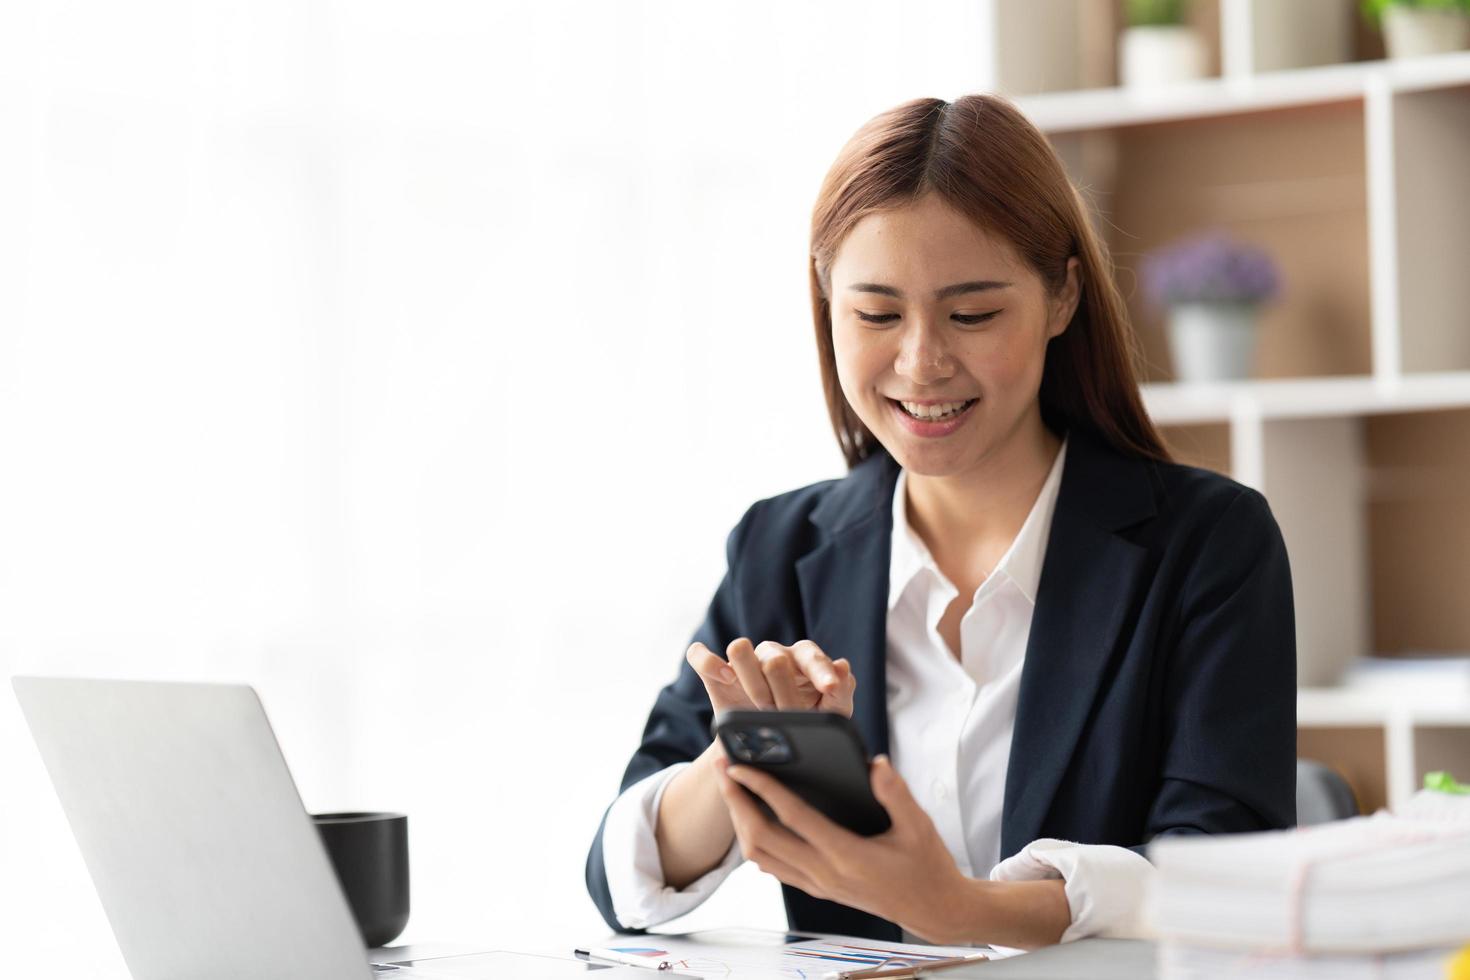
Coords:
pixel 1381 893
pixel 1177 962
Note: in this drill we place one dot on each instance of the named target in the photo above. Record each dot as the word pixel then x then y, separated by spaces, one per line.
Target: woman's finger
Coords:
pixel 839 699
pixel 893 792
pixel 709 667
pixel 753 826
pixel 748 669
pixel 780 672
pixel 745 815
pixel 817 666
pixel 720 680
pixel 786 873
pixel 817 833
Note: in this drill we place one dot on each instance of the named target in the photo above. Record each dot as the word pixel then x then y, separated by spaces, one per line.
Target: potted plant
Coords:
pixel 1415 27
pixel 1158 47
pixel 1213 287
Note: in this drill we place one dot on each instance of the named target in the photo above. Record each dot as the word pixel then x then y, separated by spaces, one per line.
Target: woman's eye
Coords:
pixel 968 319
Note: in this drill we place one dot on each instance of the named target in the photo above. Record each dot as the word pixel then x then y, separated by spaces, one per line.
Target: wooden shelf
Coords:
pixel 1357 424
pixel 1349 176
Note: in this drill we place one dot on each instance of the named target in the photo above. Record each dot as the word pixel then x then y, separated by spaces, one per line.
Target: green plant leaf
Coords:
pixel 1373 10
pixel 1154 13
pixel 1444 783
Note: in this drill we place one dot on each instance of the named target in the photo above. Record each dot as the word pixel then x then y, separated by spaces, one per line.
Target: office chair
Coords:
pixel 1321 794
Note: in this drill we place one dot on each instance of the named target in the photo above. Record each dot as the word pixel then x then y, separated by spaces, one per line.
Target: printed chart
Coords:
pixel 738 954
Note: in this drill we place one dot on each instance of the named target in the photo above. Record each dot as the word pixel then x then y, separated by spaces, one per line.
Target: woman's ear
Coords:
pixel 1064 304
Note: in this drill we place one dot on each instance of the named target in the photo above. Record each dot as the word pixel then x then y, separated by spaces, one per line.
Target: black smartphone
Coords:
pixel 818 755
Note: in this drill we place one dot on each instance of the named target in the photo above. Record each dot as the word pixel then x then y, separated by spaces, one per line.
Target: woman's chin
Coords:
pixel 929 460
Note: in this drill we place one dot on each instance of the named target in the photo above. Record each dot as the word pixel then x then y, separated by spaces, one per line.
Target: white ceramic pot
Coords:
pixel 1212 341
pixel 1152 56
pixel 1412 31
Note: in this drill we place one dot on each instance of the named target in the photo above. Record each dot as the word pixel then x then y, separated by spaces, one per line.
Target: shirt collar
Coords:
pixel 1021 563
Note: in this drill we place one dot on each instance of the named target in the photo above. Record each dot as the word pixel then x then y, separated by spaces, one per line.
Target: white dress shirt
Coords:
pixel 950 724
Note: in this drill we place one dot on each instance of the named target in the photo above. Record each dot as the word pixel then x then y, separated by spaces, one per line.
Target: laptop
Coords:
pixel 204 857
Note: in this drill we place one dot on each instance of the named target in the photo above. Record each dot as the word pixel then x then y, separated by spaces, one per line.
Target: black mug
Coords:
pixel 370 854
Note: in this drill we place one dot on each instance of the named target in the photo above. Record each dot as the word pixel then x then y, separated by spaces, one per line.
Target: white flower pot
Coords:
pixel 1153 56
pixel 1212 341
pixel 1412 31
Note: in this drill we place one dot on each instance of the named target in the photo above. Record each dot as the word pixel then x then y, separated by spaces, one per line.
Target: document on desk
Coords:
pixel 758 954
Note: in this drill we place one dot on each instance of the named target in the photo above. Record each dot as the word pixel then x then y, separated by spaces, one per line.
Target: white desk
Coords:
pixel 1086 959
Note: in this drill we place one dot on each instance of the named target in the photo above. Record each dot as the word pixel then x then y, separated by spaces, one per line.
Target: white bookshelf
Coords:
pixel 1357 429
pixel 1396 722
pixel 1302 398
pixel 1076 111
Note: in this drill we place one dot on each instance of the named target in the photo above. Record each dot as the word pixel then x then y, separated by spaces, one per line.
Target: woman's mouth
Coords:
pixel 932 418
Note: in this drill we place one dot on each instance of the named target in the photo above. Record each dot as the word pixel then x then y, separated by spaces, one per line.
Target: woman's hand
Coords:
pixel 774 676
pixel 905 874
pixel 693 830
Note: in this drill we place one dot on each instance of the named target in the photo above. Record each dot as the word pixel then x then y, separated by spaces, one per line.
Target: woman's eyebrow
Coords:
pixel 975 286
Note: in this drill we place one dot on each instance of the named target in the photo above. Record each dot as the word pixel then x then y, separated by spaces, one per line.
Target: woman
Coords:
pixel 1066 644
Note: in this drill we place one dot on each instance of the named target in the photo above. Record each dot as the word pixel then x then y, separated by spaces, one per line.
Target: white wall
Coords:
pixel 409 362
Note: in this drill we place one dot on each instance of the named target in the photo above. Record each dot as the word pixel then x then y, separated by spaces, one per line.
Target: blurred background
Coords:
pixel 411 363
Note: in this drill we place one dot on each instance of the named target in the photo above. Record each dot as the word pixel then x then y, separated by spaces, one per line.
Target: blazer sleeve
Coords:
pixel 678 727
pixel 1229 705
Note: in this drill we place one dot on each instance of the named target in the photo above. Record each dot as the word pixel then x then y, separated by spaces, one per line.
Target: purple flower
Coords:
pixel 1209 268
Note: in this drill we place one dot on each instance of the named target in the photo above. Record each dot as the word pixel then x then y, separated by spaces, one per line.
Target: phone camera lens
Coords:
pixel 741 746
pixel 771 745
pixel 764 744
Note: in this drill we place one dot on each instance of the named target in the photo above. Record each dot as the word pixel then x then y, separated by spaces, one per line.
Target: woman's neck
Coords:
pixel 982 509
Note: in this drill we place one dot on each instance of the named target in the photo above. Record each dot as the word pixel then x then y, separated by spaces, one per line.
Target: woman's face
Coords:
pixel 940 334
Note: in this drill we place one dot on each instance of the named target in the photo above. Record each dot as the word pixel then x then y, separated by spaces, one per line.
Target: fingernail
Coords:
pixel 828 677
pixel 736 773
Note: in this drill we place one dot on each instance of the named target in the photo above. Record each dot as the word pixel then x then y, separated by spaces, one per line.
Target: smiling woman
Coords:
pixel 975 188
pixel 944 376
pixel 1066 644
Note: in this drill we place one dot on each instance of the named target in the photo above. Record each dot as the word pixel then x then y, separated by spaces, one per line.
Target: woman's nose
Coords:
pixel 923 357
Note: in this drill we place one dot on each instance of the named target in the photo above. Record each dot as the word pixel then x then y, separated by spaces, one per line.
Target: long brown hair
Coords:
pixel 989 163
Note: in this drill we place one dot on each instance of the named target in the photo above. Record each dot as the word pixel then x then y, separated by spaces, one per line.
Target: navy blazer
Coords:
pixel 1158 692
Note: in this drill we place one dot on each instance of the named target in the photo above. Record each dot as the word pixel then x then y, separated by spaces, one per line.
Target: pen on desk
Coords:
pixel 625 959
pixel 911 968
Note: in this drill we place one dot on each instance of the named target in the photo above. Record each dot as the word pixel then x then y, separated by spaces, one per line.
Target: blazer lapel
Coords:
pixel 1088 580
pixel 844 587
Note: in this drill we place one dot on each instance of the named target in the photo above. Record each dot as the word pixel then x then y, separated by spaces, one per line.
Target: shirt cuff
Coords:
pixel 1105 885
pixel 635 875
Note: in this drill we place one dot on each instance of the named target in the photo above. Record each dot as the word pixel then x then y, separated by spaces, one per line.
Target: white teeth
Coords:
pixel 934 411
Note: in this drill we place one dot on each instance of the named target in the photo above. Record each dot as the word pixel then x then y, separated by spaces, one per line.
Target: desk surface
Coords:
pixel 1085 959
pixel 1092 959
